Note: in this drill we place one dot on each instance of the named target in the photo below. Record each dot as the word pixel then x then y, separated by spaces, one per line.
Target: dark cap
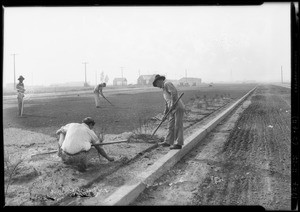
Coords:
pixel 88 121
pixel 157 77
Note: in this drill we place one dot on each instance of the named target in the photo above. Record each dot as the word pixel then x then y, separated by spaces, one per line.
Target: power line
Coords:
pixel 281 75
pixel 14 71
pixel 185 75
pixel 122 73
pixel 96 77
pixel 85 83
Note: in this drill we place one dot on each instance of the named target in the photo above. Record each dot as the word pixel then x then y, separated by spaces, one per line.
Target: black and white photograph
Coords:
pixel 148 105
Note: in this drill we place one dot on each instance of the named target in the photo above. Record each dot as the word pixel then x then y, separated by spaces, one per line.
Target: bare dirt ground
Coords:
pixel 45 180
pixel 245 161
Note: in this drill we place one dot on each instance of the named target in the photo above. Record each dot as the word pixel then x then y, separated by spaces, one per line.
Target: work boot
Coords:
pixel 176 146
pixel 110 159
pixel 165 144
pixel 82 167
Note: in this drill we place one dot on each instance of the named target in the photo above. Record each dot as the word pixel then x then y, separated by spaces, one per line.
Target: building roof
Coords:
pixel 189 78
pixel 147 76
pixel 120 79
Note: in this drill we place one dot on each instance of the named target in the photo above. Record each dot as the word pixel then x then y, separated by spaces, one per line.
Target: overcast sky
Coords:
pixel 215 43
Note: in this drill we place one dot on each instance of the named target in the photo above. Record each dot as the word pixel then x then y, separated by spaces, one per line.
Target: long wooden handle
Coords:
pixel 101 144
pixel 107 100
pixel 107 143
pixel 165 116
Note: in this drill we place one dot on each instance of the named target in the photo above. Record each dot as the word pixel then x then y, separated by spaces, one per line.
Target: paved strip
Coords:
pixel 130 191
pixel 283 85
pixel 54 94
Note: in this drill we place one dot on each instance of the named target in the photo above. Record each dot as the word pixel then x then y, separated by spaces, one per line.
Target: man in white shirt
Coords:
pixel 175 133
pixel 97 91
pixel 76 139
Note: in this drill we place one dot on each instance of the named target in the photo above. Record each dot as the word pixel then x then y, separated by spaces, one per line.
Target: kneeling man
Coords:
pixel 76 139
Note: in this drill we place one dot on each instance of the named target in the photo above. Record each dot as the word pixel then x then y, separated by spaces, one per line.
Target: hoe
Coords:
pixel 101 144
pixel 166 115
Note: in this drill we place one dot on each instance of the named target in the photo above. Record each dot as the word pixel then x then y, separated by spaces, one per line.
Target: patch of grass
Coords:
pixel 144 126
pixel 10 169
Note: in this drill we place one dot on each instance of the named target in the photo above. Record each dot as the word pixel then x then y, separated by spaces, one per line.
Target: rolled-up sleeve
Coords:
pixel 166 108
pixel 94 137
pixel 20 88
pixel 63 129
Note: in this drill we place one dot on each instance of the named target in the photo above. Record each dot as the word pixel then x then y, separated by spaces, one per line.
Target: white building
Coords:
pixel 146 79
pixel 190 81
pixel 120 81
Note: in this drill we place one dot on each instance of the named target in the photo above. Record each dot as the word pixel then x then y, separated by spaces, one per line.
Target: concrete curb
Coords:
pixel 283 85
pixel 129 192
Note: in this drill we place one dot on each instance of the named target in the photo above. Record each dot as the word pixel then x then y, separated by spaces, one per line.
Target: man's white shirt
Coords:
pixel 171 95
pixel 79 137
pixel 98 88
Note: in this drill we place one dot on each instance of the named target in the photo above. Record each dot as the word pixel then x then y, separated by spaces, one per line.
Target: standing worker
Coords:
pixel 75 141
pixel 175 125
pixel 20 90
pixel 97 91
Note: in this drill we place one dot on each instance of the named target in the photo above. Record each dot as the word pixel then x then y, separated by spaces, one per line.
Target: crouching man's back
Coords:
pixel 78 138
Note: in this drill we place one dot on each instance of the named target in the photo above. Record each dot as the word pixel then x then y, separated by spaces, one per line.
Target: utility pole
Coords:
pixel 85 83
pixel 185 75
pixel 14 71
pixel 122 74
pixel 281 75
pixel 96 77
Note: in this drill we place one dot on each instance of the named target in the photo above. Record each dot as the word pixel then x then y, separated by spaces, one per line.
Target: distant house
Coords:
pixel 119 81
pixel 68 84
pixel 175 82
pixel 189 81
pixel 145 79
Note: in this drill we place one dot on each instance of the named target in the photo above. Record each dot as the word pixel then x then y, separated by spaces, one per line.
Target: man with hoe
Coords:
pixel 97 91
pixel 20 89
pixel 175 124
pixel 76 140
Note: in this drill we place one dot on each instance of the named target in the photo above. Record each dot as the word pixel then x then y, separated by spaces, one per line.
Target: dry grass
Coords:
pixel 10 169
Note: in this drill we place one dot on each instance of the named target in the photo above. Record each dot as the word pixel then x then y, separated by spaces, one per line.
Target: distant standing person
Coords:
pixel 97 91
pixel 175 124
pixel 20 89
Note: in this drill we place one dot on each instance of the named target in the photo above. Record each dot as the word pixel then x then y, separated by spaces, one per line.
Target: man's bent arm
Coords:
pixel 173 91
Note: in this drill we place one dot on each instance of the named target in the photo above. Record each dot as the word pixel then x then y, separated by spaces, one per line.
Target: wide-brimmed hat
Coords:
pixel 158 77
pixel 21 77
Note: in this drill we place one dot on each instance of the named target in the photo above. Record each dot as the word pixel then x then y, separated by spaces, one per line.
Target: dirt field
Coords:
pixel 45 180
pixel 245 161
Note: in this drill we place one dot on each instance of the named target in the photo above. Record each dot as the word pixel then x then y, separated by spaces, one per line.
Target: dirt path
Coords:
pixel 46 180
pixel 128 174
pixel 244 161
